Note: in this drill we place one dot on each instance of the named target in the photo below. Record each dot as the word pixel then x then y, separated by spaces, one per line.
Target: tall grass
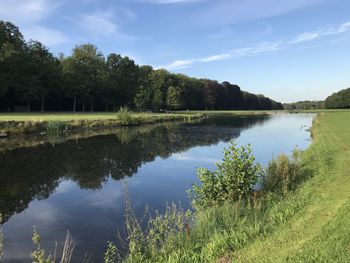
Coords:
pixel 218 230
pixel 124 116
pixel 1 242
pixel 39 254
pixel 55 128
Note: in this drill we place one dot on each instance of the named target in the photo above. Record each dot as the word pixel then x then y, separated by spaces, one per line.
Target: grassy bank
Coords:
pixel 309 223
pixel 321 231
pixel 16 123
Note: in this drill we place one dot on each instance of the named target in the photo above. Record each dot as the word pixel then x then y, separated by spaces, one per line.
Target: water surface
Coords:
pixel 79 185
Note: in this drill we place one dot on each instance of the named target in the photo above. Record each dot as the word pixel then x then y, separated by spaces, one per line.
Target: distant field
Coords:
pixel 16 123
pixel 63 116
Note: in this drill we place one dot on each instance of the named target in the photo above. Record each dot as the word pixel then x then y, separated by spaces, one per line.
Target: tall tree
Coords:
pixel 12 61
pixel 84 72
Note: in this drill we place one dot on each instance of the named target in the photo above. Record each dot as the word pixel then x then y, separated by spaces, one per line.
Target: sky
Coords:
pixel 288 50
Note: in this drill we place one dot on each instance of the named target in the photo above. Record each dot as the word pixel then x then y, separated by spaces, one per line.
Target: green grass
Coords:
pixel 60 116
pixel 310 224
pixel 38 122
pixel 321 231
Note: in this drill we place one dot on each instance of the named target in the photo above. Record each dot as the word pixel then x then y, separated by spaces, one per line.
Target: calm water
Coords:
pixel 79 185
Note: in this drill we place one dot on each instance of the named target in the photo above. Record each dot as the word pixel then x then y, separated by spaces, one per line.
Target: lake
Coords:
pixel 80 184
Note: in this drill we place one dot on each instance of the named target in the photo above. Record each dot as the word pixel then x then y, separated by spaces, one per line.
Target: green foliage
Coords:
pixel 234 178
pixel 339 100
pixel 283 173
pixel 1 241
pixel 124 116
pixel 161 229
pixel 55 128
pixel 304 105
pixel 111 254
pixel 38 255
pixel 32 78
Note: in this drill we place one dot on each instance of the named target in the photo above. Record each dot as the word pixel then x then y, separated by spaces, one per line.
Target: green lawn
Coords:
pixel 321 232
pixel 62 116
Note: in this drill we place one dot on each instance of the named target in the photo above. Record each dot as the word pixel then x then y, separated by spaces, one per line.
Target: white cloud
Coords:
pixel 241 52
pixel 29 15
pixel 313 35
pixel 102 24
pixel 172 1
pixel 226 12
pixel 26 11
pixel 185 156
pixel 262 48
pixel 47 36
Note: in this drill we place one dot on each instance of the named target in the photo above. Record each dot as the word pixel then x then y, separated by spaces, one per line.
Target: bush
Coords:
pixel 124 115
pixel 283 173
pixel 54 128
pixel 234 178
pixel 39 254
pixel 1 242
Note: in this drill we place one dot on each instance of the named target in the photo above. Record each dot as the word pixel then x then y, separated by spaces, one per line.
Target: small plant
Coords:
pixel 234 178
pixel 55 128
pixel 283 173
pixel 111 254
pixel 124 115
pixel 147 235
pixel 1 242
pixel 38 255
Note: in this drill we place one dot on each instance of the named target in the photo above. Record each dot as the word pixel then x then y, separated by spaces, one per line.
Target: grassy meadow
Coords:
pixel 17 123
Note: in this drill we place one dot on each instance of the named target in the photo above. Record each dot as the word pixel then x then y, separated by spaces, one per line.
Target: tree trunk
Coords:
pixel 28 105
pixel 106 107
pixel 42 108
pixel 83 107
pixel 75 103
pixel 92 107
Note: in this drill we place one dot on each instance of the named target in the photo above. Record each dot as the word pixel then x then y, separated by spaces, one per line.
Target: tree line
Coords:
pixel 304 105
pixel 339 100
pixel 32 78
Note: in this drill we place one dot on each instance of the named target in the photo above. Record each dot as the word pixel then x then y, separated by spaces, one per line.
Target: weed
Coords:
pixel 55 128
pixel 234 178
pixel 124 115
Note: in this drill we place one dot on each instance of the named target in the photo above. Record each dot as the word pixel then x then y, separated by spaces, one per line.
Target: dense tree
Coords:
pixel 31 75
pixel 12 60
pixel 84 72
pixel 339 100
pixel 304 105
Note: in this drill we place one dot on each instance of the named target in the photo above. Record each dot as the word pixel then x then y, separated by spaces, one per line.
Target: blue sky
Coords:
pixel 288 50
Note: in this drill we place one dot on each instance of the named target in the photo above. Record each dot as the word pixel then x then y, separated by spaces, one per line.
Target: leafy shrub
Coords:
pixel 283 173
pixel 39 254
pixel 54 128
pixel 124 115
pixel 234 178
pixel 1 242
pixel 111 254
pixel 145 240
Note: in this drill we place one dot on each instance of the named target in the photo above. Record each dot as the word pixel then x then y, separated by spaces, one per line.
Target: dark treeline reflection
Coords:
pixel 35 172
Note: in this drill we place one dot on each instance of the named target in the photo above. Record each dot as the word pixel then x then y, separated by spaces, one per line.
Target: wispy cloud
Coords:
pixel 313 35
pixel 172 1
pixel 48 36
pixel 262 48
pixel 29 15
pixel 226 12
pixel 241 52
pixel 103 24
